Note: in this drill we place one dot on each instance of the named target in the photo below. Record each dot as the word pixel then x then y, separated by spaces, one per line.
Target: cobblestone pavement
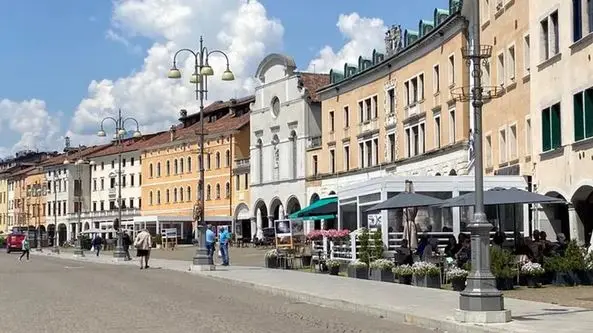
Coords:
pixel 55 296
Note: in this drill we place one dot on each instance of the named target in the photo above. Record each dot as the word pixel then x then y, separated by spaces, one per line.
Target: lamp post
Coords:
pixel 199 78
pixel 54 212
pixel 480 302
pixel 79 164
pixel 39 191
pixel 119 136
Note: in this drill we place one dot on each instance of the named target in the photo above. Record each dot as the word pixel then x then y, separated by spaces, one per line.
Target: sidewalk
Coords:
pixel 430 308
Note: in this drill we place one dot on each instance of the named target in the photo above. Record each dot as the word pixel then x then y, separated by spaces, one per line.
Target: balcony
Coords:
pixel 314 142
pixel 390 120
pixel 368 126
pixel 241 166
pixel 106 213
pixel 414 110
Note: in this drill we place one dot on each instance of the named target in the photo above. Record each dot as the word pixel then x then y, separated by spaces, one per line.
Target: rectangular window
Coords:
pixel 513 154
pixel 361 155
pixel 331 121
pixel 246 182
pixel 451 70
pixel 544 40
pixel 436 79
pixel 367 108
pixel 315 166
pixel 583 115
pixel 421 87
pixel 526 50
pixel 528 137
pixel 437 132
pixel 237 182
pixel 346 158
pixel 391 100
pixel 408 143
pixel 488 150
pixel 407 91
pixel 132 180
pixel 551 130
pixel 375 151
pixel 375 106
pixel 346 117
pixel 500 71
pixel 361 112
pixel 502 146
pixel 590 15
pixel 555 34
pixel 415 95
pixel 452 127
pixel 391 138
pixel 577 20
pixel 332 161
pixel 131 203
pixel 511 65
pixel 369 153
pixel 94 206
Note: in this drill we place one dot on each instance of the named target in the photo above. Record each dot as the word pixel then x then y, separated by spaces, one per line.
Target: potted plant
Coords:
pixel 333 266
pixel 559 268
pixel 589 267
pixel 358 270
pixel 457 277
pixel 404 274
pixel 271 258
pixel 502 267
pixel 364 253
pixel 575 261
pixel 533 272
pixel 426 274
pixel 382 270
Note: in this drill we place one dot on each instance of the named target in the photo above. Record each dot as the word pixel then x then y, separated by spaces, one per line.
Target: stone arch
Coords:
pixel 62 233
pixel 314 197
pixel 557 215
pixel 261 207
pixel 437 174
pixel 293 205
pixel 582 201
pixel 452 172
pixel 332 192
pixel 51 234
pixel 274 59
pixel 241 211
pixel 86 226
pixel 276 209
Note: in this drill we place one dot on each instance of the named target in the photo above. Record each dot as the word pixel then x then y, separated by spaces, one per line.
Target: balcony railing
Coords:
pixel 244 162
pixel 314 142
pixel 413 110
pixel 368 126
pixel 105 213
pixel 390 120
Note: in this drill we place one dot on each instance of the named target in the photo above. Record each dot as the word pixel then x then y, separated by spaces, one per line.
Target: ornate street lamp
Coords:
pixel 119 136
pixel 199 78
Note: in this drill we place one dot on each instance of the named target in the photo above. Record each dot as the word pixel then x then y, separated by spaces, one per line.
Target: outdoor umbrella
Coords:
pixel 501 196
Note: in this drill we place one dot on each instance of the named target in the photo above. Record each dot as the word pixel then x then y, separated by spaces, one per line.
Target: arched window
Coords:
pixel 217 191
pixel 208 192
pixel 293 151
pixel 217 160
pixel 227 190
pixel 150 198
pixel 181 165
pixel 150 170
pixel 168 168
pixel 167 196
pixel 158 197
pixel 208 161
pixel 176 167
pixel 189 168
pixel 175 195
pixel 158 169
pixel 227 158
pixel 189 193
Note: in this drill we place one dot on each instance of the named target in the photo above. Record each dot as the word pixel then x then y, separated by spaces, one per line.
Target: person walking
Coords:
pixel 25 248
pixel 210 240
pixel 224 238
pixel 126 242
pixel 143 244
pixel 97 243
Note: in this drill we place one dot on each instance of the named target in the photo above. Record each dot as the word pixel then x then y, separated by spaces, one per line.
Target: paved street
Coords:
pixel 56 295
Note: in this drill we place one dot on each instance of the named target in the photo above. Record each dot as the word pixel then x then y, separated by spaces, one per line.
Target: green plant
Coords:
pixel 364 253
pixel 358 264
pixel 333 263
pixel 502 263
pixel 403 270
pixel 422 268
pixel 573 255
pixel 377 250
pixel 382 264
pixel 556 264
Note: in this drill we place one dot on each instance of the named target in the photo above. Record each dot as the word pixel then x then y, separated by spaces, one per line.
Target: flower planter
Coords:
pixel 405 279
pixel 358 273
pixel 334 270
pixel 563 279
pixel 533 281
pixel 271 262
pixel 432 281
pixel 504 284
pixel 382 275
pixel 418 281
pixel 458 284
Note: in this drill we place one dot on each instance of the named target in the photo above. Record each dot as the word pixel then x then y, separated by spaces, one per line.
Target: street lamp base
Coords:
pixel 119 253
pixel 201 262
pixel 483 317
pixel 78 253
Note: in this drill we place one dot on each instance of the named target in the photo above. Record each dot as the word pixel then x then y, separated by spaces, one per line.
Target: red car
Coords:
pixel 14 242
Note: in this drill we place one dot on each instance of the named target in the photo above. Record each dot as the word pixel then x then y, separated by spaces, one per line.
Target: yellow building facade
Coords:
pixel 3 203
pixel 35 197
pixel 171 164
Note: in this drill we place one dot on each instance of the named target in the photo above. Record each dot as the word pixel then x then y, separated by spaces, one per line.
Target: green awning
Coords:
pixel 322 209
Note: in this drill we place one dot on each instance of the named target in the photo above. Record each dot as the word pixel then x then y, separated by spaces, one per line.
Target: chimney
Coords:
pixel 172 131
pixel 232 106
pixel 409 188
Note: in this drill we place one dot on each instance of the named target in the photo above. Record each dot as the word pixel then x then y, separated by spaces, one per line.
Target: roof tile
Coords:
pixel 312 82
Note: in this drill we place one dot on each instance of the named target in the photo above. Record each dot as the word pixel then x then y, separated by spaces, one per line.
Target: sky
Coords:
pixel 68 64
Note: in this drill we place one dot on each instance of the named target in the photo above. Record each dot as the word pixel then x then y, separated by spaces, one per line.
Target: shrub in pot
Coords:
pixel 382 270
pixel 358 270
pixel 533 273
pixel 575 261
pixel 426 274
pixel 271 258
pixel 589 268
pixel 502 266
pixel 333 266
pixel 457 277
pixel 404 274
pixel 559 268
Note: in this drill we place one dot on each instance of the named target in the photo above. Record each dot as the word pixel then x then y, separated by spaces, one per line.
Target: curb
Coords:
pixel 439 325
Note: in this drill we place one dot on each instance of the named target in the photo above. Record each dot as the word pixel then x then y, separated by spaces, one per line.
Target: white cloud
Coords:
pixel 363 34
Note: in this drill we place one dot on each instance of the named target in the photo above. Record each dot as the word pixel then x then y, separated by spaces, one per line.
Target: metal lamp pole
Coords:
pixel 119 136
pixel 202 70
pixel 38 193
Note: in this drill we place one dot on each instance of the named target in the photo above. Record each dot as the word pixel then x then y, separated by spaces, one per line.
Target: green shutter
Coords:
pixel 556 126
pixel 579 126
pixel 589 113
pixel 546 142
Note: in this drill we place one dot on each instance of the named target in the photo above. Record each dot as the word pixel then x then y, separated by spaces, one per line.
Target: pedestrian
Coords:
pixel 126 242
pixel 224 238
pixel 97 243
pixel 25 248
pixel 210 240
pixel 143 244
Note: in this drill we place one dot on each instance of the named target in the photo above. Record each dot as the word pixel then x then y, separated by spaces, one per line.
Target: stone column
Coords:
pixel 254 227
pixel 577 230
pixel 270 221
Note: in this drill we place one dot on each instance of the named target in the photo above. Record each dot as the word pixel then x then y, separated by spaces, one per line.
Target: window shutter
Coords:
pixel 556 126
pixel 588 112
pixel 546 142
pixel 579 127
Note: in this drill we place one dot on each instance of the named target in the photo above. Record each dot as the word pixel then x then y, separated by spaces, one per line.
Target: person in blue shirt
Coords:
pixel 224 245
pixel 210 240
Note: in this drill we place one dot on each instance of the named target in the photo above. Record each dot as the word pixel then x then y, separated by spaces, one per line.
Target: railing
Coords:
pixel 395 238
pixel 105 213
pixel 244 162
pixel 314 142
pixel 367 126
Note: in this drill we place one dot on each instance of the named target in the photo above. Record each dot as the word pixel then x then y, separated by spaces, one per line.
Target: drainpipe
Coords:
pixel 231 186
